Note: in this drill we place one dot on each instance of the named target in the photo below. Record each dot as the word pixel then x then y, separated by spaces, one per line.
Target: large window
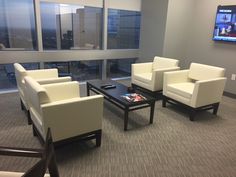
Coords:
pixel 78 70
pixel 17 25
pixel 67 26
pixel 63 67
pixel 118 68
pixel 7 74
pixel 86 70
pixel 123 29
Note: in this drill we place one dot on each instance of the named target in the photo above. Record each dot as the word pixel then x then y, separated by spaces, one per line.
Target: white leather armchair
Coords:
pixel 60 107
pixel 150 75
pixel 198 88
pixel 42 76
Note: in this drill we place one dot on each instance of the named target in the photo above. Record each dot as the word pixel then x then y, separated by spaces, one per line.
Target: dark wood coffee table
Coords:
pixel 114 96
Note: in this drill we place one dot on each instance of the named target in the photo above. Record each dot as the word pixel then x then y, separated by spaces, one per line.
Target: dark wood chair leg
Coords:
pixel 52 166
pixel 192 114
pixel 98 138
pixel 163 101
pixel 34 131
pixel 29 118
pixel 215 108
pixel 133 86
pixel 159 96
pixel 22 105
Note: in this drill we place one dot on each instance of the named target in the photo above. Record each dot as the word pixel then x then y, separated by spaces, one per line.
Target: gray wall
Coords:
pixel 201 48
pixel 188 36
pixel 153 24
pixel 177 33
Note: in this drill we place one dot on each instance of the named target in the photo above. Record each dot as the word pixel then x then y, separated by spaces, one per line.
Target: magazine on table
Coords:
pixel 133 97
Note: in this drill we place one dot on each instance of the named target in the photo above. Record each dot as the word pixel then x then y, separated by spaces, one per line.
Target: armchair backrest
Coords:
pixel 43 73
pixel 203 72
pixel 62 91
pixel 36 94
pixel 20 73
pixel 161 62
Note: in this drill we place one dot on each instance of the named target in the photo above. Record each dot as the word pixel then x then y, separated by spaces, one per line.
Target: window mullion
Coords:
pixel 38 24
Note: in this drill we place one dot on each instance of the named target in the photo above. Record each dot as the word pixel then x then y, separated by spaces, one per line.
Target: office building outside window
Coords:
pixel 17 25
pixel 7 74
pixel 78 70
pixel 119 68
pixel 71 27
pixel 123 29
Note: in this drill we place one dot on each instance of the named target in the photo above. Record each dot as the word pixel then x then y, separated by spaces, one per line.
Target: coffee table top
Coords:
pixel 118 91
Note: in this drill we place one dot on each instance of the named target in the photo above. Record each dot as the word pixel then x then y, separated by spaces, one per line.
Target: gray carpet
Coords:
pixel 172 146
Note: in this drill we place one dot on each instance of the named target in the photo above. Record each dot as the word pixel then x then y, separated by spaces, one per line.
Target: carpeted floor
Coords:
pixel 172 146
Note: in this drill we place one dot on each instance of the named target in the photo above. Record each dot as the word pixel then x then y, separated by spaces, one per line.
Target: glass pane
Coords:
pixel 123 29
pixel 30 66
pixel 118 68
pixel 67 26
pixel 78 70
pixel 63 67
pixel 7 75
pixel 86 70
pixel 17 25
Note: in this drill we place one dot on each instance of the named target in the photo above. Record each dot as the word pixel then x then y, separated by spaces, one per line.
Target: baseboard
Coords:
pixel 231 95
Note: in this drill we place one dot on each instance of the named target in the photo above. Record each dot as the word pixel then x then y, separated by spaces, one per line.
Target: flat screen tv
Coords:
pixel 225 24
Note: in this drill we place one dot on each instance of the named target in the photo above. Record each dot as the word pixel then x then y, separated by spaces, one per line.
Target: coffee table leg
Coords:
pixel 126 119
pixel 152 107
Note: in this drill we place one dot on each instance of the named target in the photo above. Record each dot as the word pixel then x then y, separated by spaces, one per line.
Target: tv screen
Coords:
pixel 225 24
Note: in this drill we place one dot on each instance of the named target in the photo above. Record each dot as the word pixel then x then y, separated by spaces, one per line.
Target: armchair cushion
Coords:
pixel 144 77
pixel 183 89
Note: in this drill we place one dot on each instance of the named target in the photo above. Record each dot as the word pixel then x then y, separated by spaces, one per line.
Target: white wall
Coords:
pixel 177 33
pixel 153 24
pixel 134 5
pixel 201 48
pixel 188 35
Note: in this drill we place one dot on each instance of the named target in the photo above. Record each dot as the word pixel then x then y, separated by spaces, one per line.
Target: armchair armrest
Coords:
pixel 208 91
pixel 174 77
pixel 72 117
pixel 54 80
pixel 43 73
pixel 138 68
pixel 62 91
pixel 157 77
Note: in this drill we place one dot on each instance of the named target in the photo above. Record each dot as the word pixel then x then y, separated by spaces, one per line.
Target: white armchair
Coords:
pixel 42 76
pixel 60 107
pixel 198 88
pixel 149 76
